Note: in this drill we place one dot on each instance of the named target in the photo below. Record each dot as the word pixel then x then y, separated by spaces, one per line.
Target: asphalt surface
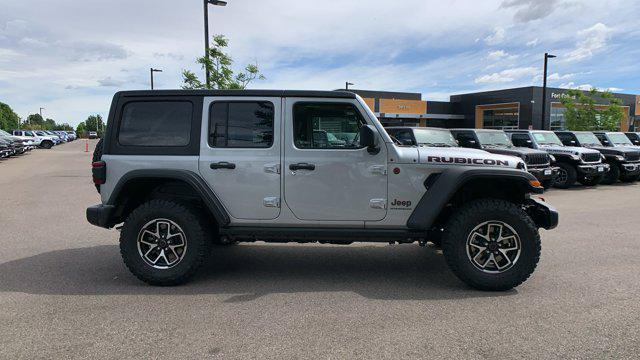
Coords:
pixel 65 293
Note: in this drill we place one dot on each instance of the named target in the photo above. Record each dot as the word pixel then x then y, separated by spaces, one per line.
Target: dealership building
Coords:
pixel 518 108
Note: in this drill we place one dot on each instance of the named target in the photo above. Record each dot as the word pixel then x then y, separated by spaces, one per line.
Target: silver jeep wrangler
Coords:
pixel 184 170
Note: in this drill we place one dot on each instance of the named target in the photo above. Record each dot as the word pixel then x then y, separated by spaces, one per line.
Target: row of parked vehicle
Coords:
pixel 560 158
pixel 21 141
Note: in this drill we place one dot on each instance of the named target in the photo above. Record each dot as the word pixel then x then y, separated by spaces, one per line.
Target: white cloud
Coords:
pixel 497 55
pixel 508 75
pixel 556 77
pixel 533 42
pixel 110 82
pixel 496 37
pixel 590 40
pixel 529 10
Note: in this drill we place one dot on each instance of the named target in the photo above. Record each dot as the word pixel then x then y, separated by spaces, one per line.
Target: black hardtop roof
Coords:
pixel 416 127
pixel 476 130
pixel 269 93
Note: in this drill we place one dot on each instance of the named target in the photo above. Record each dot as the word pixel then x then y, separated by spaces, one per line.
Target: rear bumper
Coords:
pixel 593 170
pixel 100 215
pixel 543 214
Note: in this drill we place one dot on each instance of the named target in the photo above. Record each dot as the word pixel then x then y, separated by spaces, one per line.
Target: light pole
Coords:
pixel 346 85
pixel 547 56
pixel 151 71
pixel 206 33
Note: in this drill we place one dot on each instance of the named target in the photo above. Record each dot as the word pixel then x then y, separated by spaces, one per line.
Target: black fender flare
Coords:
pixel 189 177
pixel 441 190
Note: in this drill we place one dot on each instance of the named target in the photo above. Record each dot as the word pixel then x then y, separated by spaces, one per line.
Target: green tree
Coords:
pixel 34 121
pixel 94 123
pixel 81 129
pixel 221 75
pixel 49 124
pixel 582 112
pixel 9 120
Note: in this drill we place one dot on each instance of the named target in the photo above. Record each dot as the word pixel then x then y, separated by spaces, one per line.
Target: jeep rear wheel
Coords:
pixel 164 242
pixel 491 245
pixel 567 176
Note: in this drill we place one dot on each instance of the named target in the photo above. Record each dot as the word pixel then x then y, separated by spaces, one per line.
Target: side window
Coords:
pixel 241 124
pixel 467 140
pixel 156 123
pixel 326 126
pixel 603 139
pixel 521 140
pixel 566 139
pixel 28 133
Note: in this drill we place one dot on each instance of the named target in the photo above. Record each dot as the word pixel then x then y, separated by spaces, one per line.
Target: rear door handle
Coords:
pixel 222 165
pixel 302 166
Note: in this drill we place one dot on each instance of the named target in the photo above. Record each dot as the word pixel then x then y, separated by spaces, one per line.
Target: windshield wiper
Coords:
pixel 436 144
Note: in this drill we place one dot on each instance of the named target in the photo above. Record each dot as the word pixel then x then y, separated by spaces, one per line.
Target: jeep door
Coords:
pixel 240 154
pixel 332 181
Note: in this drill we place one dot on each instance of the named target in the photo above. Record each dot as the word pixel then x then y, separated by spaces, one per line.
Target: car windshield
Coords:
pixel 433 137
pixel 587 138
pixel 488 138
pixel 619 139
pixel 546 138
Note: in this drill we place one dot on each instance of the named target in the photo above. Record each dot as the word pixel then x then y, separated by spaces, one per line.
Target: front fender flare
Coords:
pixel 450 181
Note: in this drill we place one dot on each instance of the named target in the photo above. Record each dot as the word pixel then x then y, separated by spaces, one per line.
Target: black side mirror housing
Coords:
pixel 368 138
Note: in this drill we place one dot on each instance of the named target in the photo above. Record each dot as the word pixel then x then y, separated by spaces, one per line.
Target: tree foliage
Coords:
pixel 583 114
pixel 221 74
pixel 9 120
pixel 92 123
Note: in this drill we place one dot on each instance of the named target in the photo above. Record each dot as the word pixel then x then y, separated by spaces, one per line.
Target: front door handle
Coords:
pixel 302 166
pixel 222 165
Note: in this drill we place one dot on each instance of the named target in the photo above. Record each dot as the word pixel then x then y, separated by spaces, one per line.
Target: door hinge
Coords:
pixel 378 169
pixel 378 203
pixel 271 201
pixel 272 168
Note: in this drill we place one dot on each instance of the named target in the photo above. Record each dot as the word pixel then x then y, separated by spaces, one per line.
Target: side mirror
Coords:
pixel 368 138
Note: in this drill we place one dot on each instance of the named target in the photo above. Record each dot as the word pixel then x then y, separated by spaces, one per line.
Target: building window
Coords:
pixel 557 121
pixel 501 119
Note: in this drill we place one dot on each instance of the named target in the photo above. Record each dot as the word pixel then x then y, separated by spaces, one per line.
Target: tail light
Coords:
pixel 99 171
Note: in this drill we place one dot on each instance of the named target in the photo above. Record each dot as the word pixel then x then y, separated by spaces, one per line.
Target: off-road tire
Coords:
pixel 591 181
pixel 197 238
pixel 548 184
pixel 612 176
pixel 46 144
pixel 572 176
pixel 459 227
pixel 625 178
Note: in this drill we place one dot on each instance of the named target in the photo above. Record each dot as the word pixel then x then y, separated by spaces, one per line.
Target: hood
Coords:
pixel 568 150
pixel 465 156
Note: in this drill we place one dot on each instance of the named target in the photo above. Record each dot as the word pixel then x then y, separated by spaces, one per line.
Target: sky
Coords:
pixel 70 57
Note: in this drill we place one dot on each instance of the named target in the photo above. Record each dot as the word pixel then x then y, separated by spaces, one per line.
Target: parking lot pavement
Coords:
pixel 64 291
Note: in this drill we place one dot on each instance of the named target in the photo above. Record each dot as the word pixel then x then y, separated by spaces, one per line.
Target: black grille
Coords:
pixel 591 157
pixel 633 156
pixel 537 159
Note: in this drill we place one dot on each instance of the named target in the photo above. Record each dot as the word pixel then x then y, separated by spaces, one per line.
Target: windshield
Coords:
pixel 619 139
pixel 493 138
pixel 431 137
pixel 587 138
pixel 547 138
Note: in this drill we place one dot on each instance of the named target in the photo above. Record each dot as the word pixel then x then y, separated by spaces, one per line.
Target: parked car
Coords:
pixel 539 163
pixel 72 135
pixel 40 141
pixel 28 142
pixel 6 148
pixel 277 186
pixel 574 163
pixel 93 135
pixel 624 163
pixel 54 138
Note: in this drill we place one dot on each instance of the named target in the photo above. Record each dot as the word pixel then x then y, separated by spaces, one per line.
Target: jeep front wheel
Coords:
pixel 164 242
pixel 567 176
pixel 491 245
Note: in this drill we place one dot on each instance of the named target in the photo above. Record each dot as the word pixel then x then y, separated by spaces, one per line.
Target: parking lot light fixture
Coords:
pixel 346 85
pixel 151 71
pixel 206 4
pixel 547 56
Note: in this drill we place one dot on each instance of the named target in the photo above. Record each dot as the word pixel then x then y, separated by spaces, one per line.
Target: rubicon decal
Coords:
pixel 467 161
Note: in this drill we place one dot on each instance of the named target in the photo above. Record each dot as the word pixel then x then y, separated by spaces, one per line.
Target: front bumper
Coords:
pixel 544 173
pixel 543 215
pixel 593 170
pixel 631 168
pixel 100 215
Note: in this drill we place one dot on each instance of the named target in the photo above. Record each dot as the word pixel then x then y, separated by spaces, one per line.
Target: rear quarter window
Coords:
pixel 156 123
